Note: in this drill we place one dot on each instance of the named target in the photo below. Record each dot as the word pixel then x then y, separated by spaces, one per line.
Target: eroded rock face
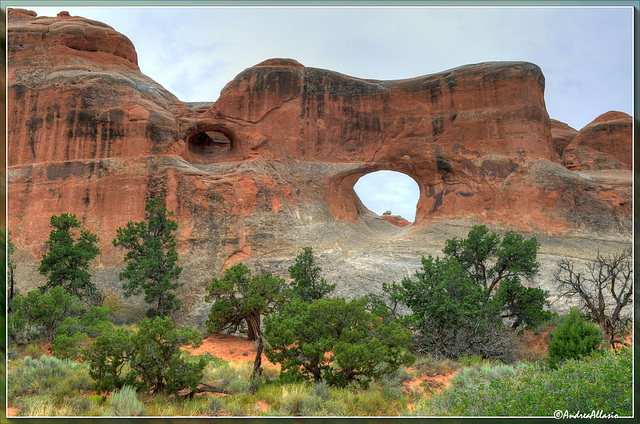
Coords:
pixel 602 144
pixel 396 220
pixel 561 134
pixel 270 167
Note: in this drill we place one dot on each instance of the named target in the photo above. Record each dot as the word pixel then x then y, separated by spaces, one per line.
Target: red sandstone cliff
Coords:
pixel 270 167
pixel 602 144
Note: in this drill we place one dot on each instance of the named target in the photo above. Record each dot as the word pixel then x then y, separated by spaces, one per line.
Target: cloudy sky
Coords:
pixel 585 52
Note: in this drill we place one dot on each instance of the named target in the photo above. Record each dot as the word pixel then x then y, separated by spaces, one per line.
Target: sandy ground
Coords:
pixel 230 348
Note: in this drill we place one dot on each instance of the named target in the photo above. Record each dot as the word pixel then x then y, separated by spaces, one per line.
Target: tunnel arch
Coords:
pixel 209 144
pixel 391 194
pixel 345 204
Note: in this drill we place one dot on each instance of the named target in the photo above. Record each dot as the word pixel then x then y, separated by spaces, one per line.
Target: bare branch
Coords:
pixel 603 293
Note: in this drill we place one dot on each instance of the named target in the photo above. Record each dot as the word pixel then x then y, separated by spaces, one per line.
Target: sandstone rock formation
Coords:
pixel 396 220
pixel 602 144
pixel 270 166
pixel 561 134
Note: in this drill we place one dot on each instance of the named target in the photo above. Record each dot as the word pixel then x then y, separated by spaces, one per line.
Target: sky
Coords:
pixel 585 53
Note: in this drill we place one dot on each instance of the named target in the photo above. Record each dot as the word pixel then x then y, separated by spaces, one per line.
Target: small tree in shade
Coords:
pixel 239 298
pixel 151 259
pixel 573 339
pixel 66 263
pixel 307 282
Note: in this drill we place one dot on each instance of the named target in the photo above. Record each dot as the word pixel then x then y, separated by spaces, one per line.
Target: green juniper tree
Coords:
pixel 239 298
pixel 574 338
pixel 335 341
pixel 151 259
pixel 158 360
pixel 107 358
pixel 497 265
pixel 307 282
pixel 151 359
pixel 66 263
pixel 73 334
pixel 45 312
pixel 465 302
pixel 450 313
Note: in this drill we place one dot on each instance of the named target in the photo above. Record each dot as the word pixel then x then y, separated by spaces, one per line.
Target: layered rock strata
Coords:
pixel 270 166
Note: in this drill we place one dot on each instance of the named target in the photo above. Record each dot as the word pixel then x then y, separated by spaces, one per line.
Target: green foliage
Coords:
pixel 574 338
pixel 48 375
pixel 95 321
pixel 488 259
pixel 524 305
pixel 72 336
pixel 602 382
pixel 151 259
pixel 450 312
pixel 335 341
pixel 307 282
pixel 158 362
pixel 498 265
pixel 66 263
pixel 44 311
pixel 461 304
pixel 107 357
pixel 238 298
pixel 151 359
pixel 18 329
pixel 70 340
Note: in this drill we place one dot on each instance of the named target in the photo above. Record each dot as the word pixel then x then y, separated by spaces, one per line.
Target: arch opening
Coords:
pixel 392 195
pixel 211 142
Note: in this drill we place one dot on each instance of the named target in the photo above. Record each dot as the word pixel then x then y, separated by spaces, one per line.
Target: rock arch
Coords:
pixel 345 203
pixel 390 194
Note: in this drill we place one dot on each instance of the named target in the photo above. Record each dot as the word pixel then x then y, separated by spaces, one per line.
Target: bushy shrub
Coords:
pixel 451 313
pixel 470 301
pixel 45 311
pixel 602 381
pixel 125 403
pixel 574 338
pixel 158 362
pixel 107 357
pixel 48 375
pixel 336 341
